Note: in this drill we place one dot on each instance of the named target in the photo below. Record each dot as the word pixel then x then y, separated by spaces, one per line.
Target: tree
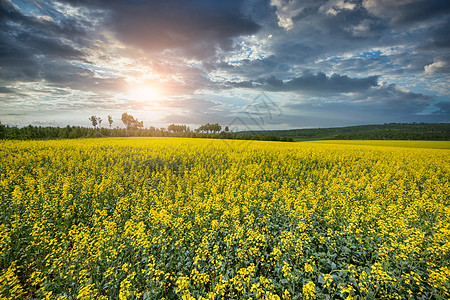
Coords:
pixel 110 121
pixel 130 122
pixel 209 128
pixel 177 128
pixel 94 121
pixel 215 127
pixel 204 128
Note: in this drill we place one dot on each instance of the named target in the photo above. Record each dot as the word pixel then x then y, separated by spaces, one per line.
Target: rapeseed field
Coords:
pixel 213 219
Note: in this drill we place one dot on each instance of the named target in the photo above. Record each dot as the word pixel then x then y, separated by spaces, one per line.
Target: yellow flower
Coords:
pixel 309 290
pixel 308 268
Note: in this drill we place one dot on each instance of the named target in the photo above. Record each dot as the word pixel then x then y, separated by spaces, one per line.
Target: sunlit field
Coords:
pixel 215 219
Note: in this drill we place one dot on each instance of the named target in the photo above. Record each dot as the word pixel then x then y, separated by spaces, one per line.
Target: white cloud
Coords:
pixel 333 7
pixel 250 48
pixel 286 10
pixel 385 8
pixel 89 18
pixel 436 67
pixel 45 18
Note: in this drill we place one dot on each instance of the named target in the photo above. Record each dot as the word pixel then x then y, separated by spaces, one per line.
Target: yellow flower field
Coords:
pixel 213 219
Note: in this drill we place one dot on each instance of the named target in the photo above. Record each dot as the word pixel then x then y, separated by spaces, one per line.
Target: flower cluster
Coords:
pixel 207 219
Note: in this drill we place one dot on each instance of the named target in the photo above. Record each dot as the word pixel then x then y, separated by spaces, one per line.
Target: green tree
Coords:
pixel 94 121
pixel 110 121
pixel 131 123
pixel 215 127
pixel 177 128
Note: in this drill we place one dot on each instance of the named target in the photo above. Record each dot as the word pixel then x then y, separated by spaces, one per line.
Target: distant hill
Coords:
pixel 391 131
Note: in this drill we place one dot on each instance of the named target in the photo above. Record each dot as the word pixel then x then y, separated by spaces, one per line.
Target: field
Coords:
pixel 391 131
pixel 214 219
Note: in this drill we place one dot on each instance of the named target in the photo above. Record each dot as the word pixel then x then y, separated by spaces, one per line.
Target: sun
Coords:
pixel 143 93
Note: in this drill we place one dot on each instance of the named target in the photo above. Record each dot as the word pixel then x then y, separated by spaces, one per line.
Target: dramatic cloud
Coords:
pixel 402 12
pixel 309 63
pixel 195 27
pixel 381 104
pixel 315 83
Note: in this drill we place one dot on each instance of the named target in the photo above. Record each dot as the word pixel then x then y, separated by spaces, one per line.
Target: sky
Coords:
pixel 250 64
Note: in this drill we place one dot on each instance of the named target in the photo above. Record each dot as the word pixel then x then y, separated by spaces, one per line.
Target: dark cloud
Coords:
pixel 52 25
pixel 443 110
pixel 379 104
pixel 26 42
pixel 387 99
pixel 64 74
pixel 47 46
pixel 391 99
pixel 16 63
pixel 359 26
pixel 296 51
pixel 5 90
pixel 196 27
pixel 406 12
pixel 321 83
pixel 83 54
pixel 253 69
pixel 313 83
pixel 438 36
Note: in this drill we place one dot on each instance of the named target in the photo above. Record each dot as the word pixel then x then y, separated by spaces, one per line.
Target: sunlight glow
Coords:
pixel 143 93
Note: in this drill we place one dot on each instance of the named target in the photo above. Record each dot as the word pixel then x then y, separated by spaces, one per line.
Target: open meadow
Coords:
pixel 175 218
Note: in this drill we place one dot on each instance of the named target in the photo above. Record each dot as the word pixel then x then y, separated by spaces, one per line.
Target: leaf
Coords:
pixel 321 279
pixel 146 296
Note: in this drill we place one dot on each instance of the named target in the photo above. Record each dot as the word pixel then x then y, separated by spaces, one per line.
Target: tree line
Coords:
pixel 133 128
pixel 387 131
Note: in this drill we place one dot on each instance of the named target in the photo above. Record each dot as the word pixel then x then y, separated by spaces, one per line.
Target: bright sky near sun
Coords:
pixel 271 64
